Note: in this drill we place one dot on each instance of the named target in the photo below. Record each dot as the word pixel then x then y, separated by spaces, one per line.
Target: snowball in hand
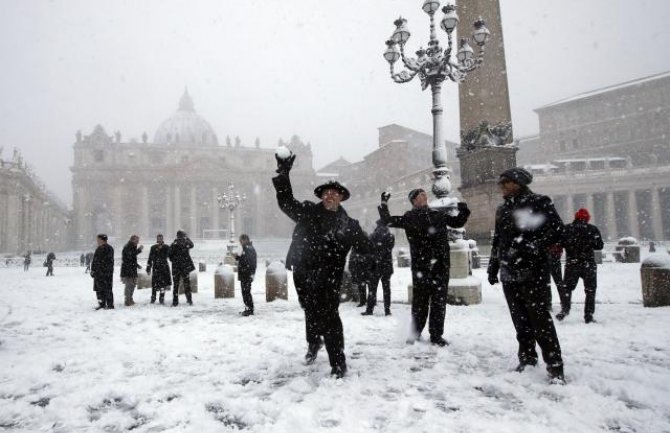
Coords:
pixel 282 152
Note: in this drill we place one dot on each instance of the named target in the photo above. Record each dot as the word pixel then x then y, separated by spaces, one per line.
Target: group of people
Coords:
pixel 158 266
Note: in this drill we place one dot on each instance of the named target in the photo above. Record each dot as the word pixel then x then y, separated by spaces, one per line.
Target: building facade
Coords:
pixel 173 183
pixel 31 218
pixel 608 150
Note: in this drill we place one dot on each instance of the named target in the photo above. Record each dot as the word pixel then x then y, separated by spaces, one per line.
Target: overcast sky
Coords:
pixel 272 68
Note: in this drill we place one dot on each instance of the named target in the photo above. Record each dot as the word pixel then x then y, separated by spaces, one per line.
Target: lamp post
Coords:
pixel 231 200
pixel 433 66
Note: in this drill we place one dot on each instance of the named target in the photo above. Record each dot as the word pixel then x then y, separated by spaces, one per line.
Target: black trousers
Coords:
pixel 300 277
pixel 246 293
pixel 532 322
pixel 104 293
pixel 50 270
pixel 429 302
pixel 26 266
pixel 322 302
pixel 176 278
pixel 589 275
pixel 362 292
pixel 386 289
pixel 155 289
pixel 556 272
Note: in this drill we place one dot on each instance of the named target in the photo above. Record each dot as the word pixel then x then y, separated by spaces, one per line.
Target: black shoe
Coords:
pixel 439 341
pixel 99 307
pixel 246 313
pixel 523 364
pixel 556 376
pixel 361 304
pixel 312 351
pixel 588 318
pixel 175 303
pixel 161 299
pixel 560 316
pixel 339 371
pixel 387 312
pixel 366 313
pixel 191 303
pixel 153 300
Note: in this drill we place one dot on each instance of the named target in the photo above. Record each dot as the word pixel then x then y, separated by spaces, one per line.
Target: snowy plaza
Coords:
pixel 65 367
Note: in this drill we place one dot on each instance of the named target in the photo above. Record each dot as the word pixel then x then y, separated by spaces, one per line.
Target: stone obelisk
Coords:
pixel 486 120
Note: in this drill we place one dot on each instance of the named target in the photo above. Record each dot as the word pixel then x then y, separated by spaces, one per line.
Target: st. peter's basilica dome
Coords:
pixel 186 127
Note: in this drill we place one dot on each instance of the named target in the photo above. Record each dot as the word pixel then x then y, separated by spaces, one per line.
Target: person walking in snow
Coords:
pixel 159 269
pixel 51 257
pixel 427 234
pixel 246 269
pixel 89 259
pixel 580 239
pixel 360 267
pixel 26 262
pixel 182 266
pixel 526 226
pixel 102 272
pixel 329 234
pixel 383 242
pixel 129 267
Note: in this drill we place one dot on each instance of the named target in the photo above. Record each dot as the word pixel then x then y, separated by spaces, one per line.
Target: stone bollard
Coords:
pixel 143 279
pixel 193 278
pixel 464 289
pixel 202 267
pixel 224 282
pixel 276 282
pixel 403 259
pixel 632 253
pixel 475 258
pixel 655 274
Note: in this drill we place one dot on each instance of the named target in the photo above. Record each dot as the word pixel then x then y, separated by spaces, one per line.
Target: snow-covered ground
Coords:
pixel 65 367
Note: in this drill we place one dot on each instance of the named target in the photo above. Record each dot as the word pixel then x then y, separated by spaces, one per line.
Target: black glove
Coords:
pixel 462 206
pixel 92 275
pixel 493 279
pixel 138 266
pixel 284 165
pixel 385 197
pixel 148 269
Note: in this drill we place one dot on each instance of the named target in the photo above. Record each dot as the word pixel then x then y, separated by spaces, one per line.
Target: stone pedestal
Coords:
pixel 403 259
pixel 202 267
pixel 224 282
pixel 655 274
pixel 276 282
pixel 193 277
pixel 143 279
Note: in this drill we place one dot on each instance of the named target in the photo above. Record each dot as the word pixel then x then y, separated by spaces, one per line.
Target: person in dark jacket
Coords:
pixel 159 269
pixel 246 269
pixel 82 260
pixel 360 267
pixel 26 261
pixel 428 237
pixel 526 226
pixel 129 267
pixel 51 257
pixel 329 233
pixel 182 266
pixel 383 242
pixel 102 272
pixel 580 239
pixel 89 259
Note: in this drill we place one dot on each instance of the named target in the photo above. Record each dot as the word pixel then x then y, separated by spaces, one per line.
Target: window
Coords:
pixel 99 155
pixel 575 143
pixel 562 145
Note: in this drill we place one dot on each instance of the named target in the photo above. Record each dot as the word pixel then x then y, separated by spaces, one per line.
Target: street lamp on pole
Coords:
pixel 231 200
pixel 433 66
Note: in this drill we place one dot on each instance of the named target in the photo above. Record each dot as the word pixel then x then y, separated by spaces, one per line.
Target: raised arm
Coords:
pixel 459 220
pixel 385 215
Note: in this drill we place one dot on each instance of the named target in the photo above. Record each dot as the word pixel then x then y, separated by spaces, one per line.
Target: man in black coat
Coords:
pixel 428 237
pixel 526 226
pixel 129 268
pixel 580 239
pixel 89 259
pixel 360 267
pixel 383 242
pixel 246 269
pixel 159 269
pixel 329 233
pixel 182 266
pixel 51 257
pixel 102 272
pixel 26 261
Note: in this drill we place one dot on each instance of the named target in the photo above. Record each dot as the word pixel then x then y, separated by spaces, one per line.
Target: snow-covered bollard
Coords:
pixel 202 266
pixel 193 278
pixel 143 279
pixel 224 282
pixel 464 289
pixel 655 274
pixel 276 282
pixel 475 258
pixel 628 250
pixel 403 258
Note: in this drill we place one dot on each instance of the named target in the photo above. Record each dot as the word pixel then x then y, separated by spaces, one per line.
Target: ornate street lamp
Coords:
pixel 433 66
pixel 231 200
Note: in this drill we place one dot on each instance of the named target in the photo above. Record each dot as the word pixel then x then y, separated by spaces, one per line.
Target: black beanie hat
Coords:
pixel 518 175
pixel 414 193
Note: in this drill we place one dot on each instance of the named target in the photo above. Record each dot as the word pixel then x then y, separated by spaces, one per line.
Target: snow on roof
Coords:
pixel 602 90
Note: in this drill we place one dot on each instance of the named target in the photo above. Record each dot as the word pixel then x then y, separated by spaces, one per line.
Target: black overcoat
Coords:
pixel 129 264
pixel 179 254
pixel 102 268
pixel 246 267
pixel 158 266
pixel 526 226
pixel 580 239
pixel 383 241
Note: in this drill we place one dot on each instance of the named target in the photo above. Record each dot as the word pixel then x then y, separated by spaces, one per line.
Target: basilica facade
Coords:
pixel 175 182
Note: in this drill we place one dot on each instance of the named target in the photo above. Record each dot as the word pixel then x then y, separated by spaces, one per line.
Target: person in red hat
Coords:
pixel 580 239
pixel 328 235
